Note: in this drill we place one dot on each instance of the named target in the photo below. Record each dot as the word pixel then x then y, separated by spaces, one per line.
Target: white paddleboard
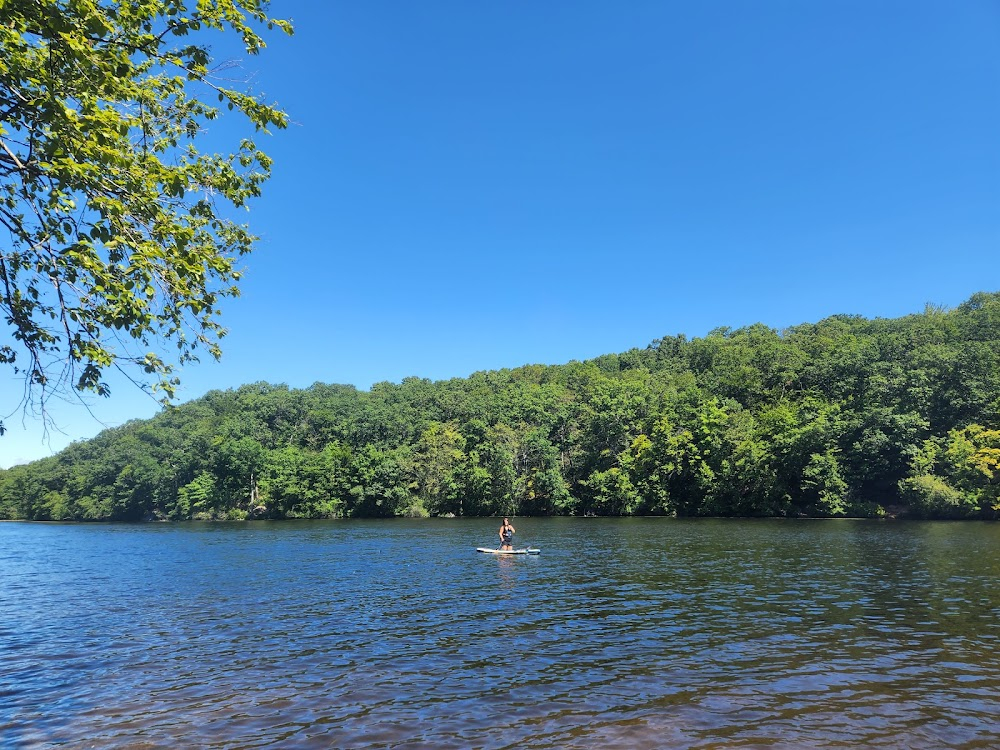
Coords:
pixel 522 551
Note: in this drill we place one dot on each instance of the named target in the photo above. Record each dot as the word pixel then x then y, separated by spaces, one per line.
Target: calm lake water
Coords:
pixel 639 633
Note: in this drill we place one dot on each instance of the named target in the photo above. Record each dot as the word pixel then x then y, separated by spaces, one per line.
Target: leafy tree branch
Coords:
pixel 117 244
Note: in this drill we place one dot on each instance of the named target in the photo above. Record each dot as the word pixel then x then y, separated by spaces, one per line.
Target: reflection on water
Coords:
pixel 644 633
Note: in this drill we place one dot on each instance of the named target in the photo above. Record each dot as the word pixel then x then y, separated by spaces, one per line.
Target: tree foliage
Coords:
pixel 119 234
pixel 843 417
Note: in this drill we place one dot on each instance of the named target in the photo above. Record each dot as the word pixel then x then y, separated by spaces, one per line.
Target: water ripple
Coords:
pixel 702 634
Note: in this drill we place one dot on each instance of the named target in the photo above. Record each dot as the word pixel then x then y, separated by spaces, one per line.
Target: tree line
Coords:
pixel 845 417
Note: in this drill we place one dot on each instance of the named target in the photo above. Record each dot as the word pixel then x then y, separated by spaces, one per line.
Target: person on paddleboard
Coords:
pixel 506 534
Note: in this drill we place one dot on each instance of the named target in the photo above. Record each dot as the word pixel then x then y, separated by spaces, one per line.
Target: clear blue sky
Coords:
pixel 471 186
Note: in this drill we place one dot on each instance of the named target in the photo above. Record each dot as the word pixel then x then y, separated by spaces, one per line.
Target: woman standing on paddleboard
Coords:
pixel 506 534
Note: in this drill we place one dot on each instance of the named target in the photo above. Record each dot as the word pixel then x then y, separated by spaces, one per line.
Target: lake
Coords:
pixel 639 633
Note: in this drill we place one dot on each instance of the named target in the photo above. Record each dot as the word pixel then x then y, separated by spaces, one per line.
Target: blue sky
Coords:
pixel 471 186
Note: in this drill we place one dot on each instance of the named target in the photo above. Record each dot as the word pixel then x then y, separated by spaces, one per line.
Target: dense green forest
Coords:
pixel 847 416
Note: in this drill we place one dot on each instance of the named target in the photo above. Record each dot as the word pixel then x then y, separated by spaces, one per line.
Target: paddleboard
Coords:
pixel 522 551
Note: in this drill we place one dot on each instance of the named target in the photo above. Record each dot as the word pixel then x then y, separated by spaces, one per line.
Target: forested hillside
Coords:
pixel 847 416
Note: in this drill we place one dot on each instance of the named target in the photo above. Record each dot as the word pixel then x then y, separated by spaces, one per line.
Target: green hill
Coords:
pixel 847 416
